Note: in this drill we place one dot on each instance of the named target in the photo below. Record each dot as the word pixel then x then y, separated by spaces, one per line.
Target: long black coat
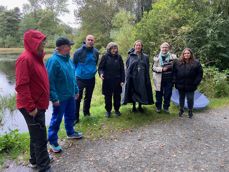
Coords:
pixel 112 68
pixel 138 86
pixel 187 76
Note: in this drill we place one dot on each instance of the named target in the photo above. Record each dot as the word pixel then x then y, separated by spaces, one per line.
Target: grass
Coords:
pixel 98 126
pixel 6 103
pixel 19 50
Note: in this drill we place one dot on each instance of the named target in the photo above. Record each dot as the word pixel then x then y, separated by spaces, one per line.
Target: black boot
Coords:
pixel 190 114
pixel 181 112
pixel 140 109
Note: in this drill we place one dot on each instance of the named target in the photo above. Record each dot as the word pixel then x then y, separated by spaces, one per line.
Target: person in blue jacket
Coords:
pixel 63 92
pixel 85 60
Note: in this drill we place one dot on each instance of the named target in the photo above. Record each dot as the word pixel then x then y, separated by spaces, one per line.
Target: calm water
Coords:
pixel 15 119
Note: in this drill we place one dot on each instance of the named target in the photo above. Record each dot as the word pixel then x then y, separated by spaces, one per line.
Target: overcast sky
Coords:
pixel 68 18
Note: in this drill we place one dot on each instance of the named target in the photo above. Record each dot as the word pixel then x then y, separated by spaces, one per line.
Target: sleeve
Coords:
pixel 52 70
pixel 76 88
pixel 174 71
pixel 156 66
pixel 199 75
pixel 23 84
pixel 122 70
pixel 76 58
pixel 128 62
pixel 102 65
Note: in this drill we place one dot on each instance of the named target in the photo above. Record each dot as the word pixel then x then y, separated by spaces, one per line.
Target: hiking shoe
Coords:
pixel 75 135
pixel 140 109
pixel 55 148
pixel 134 109
pixel 181 113
pixel 33 166
pixel 158 110
pixel 87 114
pixel 190 114
pixel 117 113
pixel 166 110
pixel 108 114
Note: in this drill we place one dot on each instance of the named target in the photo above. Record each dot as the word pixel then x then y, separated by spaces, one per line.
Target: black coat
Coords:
pixel 138 86
pixel 112 68
pixel 187 76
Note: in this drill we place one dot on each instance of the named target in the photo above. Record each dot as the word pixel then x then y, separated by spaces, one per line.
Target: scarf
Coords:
pixel 167 58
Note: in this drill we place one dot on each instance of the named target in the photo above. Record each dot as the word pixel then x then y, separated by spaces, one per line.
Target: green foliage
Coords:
pixel 215 84
pixel 10 141
pixel 7 103
pixel 123 31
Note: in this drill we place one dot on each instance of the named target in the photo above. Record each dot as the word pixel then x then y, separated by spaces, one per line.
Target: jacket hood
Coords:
pixel 32 40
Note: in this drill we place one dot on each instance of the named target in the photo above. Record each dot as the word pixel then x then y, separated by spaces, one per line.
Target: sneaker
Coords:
pixel 33 166
pixel 87 114
pixel 108 114
pixel 75 135
pixel 55 148
pixel 166 110
pixel 158 110
pixel 134 109
pixel 190 114
pixel 181 112
pixel 117 113
pixel 140 109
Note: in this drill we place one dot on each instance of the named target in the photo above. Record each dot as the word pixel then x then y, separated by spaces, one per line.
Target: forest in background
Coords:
pixel 201 25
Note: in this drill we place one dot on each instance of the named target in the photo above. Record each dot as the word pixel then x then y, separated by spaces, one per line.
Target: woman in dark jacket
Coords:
pixel 111 71
pixel 187 75
pixel 138 86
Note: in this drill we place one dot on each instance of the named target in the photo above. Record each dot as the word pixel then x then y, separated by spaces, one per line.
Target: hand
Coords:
pixel 77 96
pixel 33 113
pixel 122 83
pixel 56 103
pixel 102 76
pixel 164 69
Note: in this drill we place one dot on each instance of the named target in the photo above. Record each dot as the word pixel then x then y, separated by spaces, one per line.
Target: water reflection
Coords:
pixel 12 120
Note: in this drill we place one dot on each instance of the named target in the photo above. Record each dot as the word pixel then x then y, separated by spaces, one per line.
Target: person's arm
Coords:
pixel 52 74
pixel 102 66
pixel 156 66
pixel 76 58
pixel 23 84
pixel 199 74
pixel 122 70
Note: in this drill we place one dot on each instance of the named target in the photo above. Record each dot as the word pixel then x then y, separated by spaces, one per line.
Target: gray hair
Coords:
pixel 111 45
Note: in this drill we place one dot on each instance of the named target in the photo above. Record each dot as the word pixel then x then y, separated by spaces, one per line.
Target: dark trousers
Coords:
pixel 66 109
pixel 166 92
pixel 38 139
pixel 190 99
pixel 88 85
pixel 116 100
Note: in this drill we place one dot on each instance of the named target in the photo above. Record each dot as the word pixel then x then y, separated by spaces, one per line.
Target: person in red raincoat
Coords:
pixel 32 97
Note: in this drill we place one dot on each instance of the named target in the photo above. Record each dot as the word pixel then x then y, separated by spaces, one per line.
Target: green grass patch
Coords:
pixel 97 126
pixel 7 103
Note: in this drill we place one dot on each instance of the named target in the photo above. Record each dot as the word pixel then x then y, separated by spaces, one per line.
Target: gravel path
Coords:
pixel 180 145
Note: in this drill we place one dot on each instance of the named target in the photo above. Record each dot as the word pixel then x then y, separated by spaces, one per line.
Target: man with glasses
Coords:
pixel 85 60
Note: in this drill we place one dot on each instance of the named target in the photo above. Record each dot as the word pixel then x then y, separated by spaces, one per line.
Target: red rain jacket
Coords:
pixel 32 85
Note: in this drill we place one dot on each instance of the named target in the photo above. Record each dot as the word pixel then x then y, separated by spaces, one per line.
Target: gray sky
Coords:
pixel 68 18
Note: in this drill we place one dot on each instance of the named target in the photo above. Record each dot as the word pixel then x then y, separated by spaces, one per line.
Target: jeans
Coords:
pixel 190 99
pixel 88 85
pixel 66 109
pixel 38 139
pixel 166 92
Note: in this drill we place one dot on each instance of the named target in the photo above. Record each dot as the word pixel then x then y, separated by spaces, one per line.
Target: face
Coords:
pixel 138 47
pixel 114 50
pixel 90 41
pixel 66 49
pixel 41 47
pixel 164 49
pixel 187 54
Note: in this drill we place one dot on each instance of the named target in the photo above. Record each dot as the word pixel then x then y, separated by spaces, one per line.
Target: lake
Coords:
pixel 12 120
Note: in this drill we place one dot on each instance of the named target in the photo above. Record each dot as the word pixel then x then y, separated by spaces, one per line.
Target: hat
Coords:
pixel 63 41
pixel 111 45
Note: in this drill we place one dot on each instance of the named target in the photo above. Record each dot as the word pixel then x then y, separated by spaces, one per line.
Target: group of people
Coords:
pixel 64 81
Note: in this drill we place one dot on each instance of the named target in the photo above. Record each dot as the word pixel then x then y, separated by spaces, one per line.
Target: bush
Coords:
pixel 215 83
pixel 10 141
